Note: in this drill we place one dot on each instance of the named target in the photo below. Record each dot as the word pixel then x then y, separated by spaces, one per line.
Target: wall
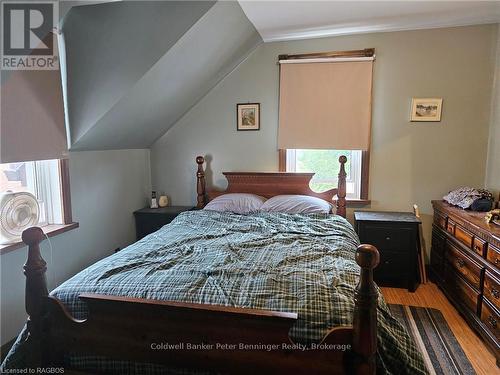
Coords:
pixel 493 166
pixel 106 187
pixel 410 162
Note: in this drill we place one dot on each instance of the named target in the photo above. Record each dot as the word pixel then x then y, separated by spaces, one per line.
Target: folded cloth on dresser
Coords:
pixel 465 197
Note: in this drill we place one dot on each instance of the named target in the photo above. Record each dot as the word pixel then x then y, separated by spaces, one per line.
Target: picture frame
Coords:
pixel 426 109
pixel 247 116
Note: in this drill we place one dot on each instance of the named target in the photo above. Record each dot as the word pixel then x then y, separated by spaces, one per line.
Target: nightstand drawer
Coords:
pixel 392 265
pixel 387 238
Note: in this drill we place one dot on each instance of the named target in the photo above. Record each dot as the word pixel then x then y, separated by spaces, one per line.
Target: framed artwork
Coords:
pixel 426 109
pixel 248 116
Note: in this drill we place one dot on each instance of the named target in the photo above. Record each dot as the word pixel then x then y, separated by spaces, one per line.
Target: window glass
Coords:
pixel 325 166
pixel 40 178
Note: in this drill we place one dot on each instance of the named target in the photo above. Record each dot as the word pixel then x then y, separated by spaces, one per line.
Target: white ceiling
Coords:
pixel 287 20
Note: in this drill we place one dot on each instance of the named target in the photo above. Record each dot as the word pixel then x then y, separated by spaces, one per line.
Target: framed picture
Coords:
pixel 248 116
pixel 426 109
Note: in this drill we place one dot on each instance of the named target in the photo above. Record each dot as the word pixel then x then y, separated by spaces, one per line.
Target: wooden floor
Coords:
pixel 429 295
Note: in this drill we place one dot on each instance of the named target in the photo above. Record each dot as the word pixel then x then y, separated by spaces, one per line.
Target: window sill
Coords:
pixel 358 202
pixel 49 230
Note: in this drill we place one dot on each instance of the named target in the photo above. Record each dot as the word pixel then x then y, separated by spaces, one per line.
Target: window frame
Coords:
pixel 365 166
pixel 54 229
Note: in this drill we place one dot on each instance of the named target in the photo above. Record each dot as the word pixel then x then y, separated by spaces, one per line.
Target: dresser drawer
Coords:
pixel 439 220
pixel 450 227
pixel 491 319
pixel 492 289
pixel 387 238
pixel 493 255
pixel 463 235
pixel 479 246
pixel 464 265
pixel 462 291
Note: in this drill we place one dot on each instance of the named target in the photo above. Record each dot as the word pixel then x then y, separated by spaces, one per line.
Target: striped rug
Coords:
pixel 441 350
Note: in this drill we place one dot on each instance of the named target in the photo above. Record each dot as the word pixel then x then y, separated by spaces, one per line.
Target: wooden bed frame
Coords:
pixel 127 328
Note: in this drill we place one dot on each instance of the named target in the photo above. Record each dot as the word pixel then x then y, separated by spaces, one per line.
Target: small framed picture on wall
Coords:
pixel 426 109
pixel 248 116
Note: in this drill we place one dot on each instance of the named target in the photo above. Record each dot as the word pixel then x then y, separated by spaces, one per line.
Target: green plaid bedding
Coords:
pixel 281 262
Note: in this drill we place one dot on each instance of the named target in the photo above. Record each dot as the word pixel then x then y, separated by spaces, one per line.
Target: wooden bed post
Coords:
pixel 36 293
pixel 200 183
pixel 364 340
pixel 341 192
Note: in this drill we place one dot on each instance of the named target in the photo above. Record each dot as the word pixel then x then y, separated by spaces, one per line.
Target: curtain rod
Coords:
pixel 367 52
pixel 326 60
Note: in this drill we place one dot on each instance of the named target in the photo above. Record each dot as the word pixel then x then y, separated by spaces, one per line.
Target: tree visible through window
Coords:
pixel 325 166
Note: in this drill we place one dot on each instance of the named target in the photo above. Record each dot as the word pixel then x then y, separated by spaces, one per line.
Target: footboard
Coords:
pixel 198 336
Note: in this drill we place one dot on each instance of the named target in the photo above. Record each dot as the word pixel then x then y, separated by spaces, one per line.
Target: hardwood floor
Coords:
pixel 429 295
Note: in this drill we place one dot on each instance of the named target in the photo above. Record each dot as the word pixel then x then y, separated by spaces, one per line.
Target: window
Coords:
pixel 43 179
pixel 325 166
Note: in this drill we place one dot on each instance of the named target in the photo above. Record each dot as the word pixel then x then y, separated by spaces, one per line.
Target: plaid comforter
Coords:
pixel 294 263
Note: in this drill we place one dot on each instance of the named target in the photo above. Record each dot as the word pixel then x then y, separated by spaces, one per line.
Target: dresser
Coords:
pixel 149 220
pixel 395 236
pixel 465 263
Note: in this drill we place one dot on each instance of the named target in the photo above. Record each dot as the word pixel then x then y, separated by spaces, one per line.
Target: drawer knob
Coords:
pixel 388 238
pixel 460 263
pixel 492 321
pixel 495 293
pixel 497 261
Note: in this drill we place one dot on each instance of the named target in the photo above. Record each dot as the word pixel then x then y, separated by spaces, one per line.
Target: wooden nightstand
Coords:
pixel 149 220
pixel 395 236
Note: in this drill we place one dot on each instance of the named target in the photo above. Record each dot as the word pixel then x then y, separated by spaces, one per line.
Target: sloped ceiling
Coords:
pixel 134 68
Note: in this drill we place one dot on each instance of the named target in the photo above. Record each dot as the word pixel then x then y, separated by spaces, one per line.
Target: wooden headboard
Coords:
pixel 271 184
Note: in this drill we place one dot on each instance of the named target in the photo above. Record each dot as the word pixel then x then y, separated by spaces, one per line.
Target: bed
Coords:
pixel 222 293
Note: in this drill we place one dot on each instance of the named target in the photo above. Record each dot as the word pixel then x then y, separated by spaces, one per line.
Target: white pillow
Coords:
pixel 296 204
pixel 239 203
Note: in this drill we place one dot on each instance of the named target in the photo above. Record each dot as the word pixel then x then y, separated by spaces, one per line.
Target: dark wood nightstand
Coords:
pixel 149 220
pixel 395 236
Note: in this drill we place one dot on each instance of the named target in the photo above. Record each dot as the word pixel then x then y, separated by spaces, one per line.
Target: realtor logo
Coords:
pixel 28 40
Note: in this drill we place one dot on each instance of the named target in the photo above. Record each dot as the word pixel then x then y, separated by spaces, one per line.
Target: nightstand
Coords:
pixel 395 236
pixel 149 220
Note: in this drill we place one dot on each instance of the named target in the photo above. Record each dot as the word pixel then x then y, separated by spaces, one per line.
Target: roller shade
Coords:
pixel 32 123
pixel 325 105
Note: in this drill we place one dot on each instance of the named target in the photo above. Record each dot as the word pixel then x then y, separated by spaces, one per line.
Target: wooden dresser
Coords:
pixel 465 263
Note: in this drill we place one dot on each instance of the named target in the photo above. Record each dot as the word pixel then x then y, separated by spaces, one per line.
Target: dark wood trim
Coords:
pixel 119 327
pixel 270 184
pixel 49 230
pixel 367 52
pixel 282 160
pixel 65 190
pixel 365 175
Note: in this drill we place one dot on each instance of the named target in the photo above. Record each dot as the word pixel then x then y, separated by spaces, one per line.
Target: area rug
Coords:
pixel 441 350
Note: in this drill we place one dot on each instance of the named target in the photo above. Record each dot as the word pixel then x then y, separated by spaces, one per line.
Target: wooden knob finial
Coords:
pixel 367 256
pixel 200 160
pixel 343 159
pixel 33 236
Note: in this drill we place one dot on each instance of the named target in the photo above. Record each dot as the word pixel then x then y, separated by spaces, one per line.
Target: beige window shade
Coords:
pixel 325 105
pixel 32 123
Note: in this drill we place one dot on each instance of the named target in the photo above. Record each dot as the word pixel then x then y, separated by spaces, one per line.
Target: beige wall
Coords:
pixel 410 163
pixel 493 166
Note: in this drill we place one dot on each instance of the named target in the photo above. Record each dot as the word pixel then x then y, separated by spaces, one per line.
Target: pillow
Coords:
pixel 296 204
pixel 238 203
